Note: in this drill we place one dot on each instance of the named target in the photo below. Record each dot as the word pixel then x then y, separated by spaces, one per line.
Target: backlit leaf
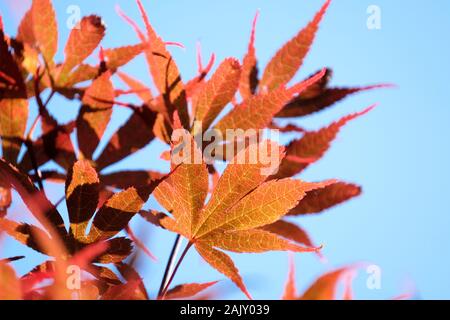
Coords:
pixel 217 92
pixel 319 200
pixel 13 103
pixel 118 57
pixel 187 290
pixel 83 40
pixel 324 288
pixel 286 62
pixel 257 111
pixel 290 231
pixel 135 134
pixel 249 75
pixel 222 263
pixel 45 28
pixel 115 214
pixel 185 190
pixel 10 288
pixel 165 73
pixel 81 196
pixel 95 114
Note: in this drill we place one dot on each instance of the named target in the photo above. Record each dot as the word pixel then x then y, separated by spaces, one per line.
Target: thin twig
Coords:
pixel 172 276
pixel 29 140
pixel 170 263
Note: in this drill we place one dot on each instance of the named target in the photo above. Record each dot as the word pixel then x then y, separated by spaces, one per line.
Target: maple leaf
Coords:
pixel 240 204
pixel 45 28
pixel 311 147
pixel 5 200
pixel 249 74
pixel 187 290
pixel 9 283
pixel 289 58
pixel 319 97
pixel 257 111
pixel 323 288
pixel 118 57
pixel 165 72
pixel 319 200
pixel 217 92
pixel 83 40
pixel 135 134
pixel 82 195
pixel 95 114
pixel 290 231
pixel 13 103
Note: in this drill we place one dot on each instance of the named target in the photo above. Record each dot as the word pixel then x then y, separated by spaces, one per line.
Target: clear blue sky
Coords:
pixel 399 152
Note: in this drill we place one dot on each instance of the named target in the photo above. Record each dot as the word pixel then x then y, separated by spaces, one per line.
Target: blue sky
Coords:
pixel 399 152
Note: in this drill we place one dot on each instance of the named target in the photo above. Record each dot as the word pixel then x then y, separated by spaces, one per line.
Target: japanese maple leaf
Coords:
pixel 241 203
pixel 82 196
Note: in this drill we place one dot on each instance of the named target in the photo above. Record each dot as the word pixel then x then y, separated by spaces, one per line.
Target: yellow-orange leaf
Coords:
pixel 286 62
pixel 165 73
pixel 45 28
pixel 237 180
pixel 95 114
pixel 187 290
pixel 257 111
pixel 118 57
pixel 217 92
pixel 265 205
pixel 10 287
pixel 185 190
pixel 324 288
pixel 222 263
pixel 83 40
pixel 251 241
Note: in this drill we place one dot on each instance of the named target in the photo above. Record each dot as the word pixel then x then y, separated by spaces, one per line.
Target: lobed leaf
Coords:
pixel 290 231
pixel 82 195
pixel 257 111
pixel 83 40
pixel 217 92
pixel 13 103
pixel 324 288
pixel 187 290
pixel 95 114
pixel 45 28
pixel 237 180
pixel 119 57
pixel 184 191
pixel 165 73
pixel 222 263
pixel 115 214
pixel 319 200
pixel 286 62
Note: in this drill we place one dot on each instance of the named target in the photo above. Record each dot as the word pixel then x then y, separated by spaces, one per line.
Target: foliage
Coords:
pixel 241 210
